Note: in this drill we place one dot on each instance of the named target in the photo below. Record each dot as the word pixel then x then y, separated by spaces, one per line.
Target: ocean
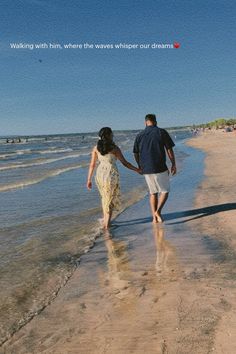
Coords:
pixel 49 218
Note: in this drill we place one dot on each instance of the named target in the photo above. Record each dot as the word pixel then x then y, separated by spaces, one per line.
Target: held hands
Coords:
pixel 89 185
pixel 139 170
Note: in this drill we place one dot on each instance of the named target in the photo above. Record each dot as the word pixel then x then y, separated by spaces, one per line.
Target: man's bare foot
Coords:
pixel 158 216
pixel 154 220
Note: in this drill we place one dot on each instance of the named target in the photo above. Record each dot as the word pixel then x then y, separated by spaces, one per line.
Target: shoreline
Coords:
pixel 219 172
pixel 218 192
pixel 144 288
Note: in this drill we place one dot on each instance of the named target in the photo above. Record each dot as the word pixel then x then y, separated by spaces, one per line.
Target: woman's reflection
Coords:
pixel 118 265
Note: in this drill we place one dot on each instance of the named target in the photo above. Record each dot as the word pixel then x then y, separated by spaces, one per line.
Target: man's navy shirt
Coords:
pixel 150 144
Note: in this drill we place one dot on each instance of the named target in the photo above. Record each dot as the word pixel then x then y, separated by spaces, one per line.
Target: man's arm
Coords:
pixel 171 156
pixel 136 151
pixel 136 156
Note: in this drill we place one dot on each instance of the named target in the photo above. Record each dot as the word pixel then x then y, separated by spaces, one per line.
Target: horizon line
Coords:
pixel 90 132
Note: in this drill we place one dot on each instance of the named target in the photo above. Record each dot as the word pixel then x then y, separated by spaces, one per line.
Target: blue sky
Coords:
pixel 63 91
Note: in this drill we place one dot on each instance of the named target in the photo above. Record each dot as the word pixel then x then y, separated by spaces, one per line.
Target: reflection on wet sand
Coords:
pixel 125 281
pixel 118 277
pixel 114 302
pixel 166 262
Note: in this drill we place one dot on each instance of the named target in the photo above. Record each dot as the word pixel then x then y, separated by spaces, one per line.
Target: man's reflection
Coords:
pixel 165 255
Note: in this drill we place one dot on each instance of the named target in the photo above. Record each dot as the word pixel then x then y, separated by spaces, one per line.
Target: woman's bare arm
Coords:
pixel 120 157
pixel 92 166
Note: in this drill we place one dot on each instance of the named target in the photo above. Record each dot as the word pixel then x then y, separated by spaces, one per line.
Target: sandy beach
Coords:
pixel 219 192
pixel 144 288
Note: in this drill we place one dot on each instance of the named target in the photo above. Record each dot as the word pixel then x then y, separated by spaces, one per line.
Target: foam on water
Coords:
pixel 53 151
pixel 21 184
pixel 40 162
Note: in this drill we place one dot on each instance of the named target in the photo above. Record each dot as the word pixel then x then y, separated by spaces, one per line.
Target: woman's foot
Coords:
pixel 101 222
pixel 106 227
pixel 107 220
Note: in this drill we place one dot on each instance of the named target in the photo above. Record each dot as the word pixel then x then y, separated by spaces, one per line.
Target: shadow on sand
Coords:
pixel 194 214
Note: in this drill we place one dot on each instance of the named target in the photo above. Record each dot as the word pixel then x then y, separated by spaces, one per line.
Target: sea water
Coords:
pixel 49 218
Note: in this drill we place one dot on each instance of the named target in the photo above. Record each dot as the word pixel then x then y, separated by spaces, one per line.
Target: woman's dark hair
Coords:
pixel 105 143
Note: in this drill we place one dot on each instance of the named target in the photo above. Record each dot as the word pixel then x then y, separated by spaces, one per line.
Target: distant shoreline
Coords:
pixel 9 136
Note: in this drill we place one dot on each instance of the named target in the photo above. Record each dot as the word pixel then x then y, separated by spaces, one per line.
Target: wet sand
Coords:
pixel 218 191
pixel 144 288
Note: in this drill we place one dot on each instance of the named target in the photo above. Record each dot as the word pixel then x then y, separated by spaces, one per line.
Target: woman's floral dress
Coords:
pixel 108 182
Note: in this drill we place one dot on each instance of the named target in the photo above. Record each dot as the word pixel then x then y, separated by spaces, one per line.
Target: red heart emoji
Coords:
pixel 176 45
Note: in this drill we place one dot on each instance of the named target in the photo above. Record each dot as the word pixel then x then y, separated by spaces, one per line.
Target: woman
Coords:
pixel 107 175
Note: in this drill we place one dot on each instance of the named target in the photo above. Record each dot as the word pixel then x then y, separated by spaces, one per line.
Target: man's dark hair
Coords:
pixel 151 118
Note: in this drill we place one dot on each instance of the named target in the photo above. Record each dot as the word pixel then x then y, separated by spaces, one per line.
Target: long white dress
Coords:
pixel 108 182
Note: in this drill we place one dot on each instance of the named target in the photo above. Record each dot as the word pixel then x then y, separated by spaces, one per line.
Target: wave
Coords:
pixel 17 152
pixel 41 162
pixel 22 152
pixel 52 151
pixel 3 156
pixel 22 184
pixel 41 152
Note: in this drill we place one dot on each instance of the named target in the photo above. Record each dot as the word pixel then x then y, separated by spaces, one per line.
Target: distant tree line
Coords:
pixel 218 123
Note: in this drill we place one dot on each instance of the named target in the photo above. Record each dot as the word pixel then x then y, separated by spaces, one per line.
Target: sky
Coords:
pixel 46 91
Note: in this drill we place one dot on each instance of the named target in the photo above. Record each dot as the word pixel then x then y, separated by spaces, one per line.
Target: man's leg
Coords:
pixel 153 205
pixel 162 198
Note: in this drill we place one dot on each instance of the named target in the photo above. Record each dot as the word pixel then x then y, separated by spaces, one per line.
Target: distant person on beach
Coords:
pixel 107 175
pixel 150 149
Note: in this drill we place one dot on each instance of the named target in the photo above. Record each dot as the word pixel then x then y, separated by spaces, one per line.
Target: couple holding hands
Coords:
pixel 150 148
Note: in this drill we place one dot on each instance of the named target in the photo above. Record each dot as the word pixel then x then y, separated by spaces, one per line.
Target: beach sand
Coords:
pixel 143 288
pixel 218 190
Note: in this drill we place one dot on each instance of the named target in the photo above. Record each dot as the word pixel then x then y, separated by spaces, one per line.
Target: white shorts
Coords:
pixel 158 182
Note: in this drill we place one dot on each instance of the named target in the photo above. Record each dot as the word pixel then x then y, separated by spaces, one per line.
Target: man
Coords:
pixel 150 149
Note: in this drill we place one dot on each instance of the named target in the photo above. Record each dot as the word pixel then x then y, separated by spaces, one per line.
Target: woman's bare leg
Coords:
pixel 107 219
